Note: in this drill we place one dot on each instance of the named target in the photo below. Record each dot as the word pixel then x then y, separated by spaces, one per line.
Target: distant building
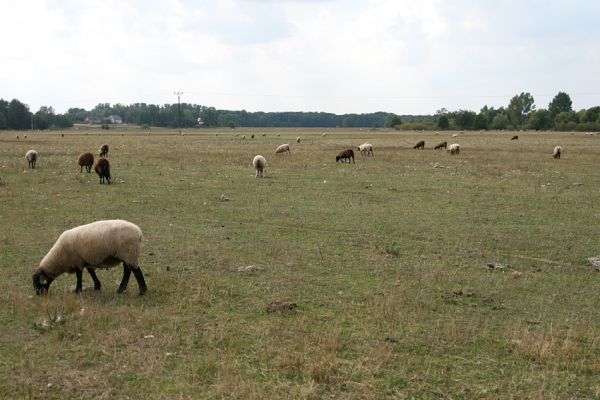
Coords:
pixel 92 120
pixel 115 119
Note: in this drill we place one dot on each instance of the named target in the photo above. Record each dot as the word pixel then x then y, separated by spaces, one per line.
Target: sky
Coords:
pixel 346 56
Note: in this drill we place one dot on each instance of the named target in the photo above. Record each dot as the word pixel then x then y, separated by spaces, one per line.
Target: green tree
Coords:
pixel 465 119
pixel 519 109
pixel 481 121
pixel 540 120
pixel 560 103
pixel 392 121
pixel 500 121
pixel 592 114
pixel 566 121
pixel 18 115
pixel 443 122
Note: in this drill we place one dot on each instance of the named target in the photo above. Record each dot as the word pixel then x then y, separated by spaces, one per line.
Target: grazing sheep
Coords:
pixel 283 148
pixel 441 145
pixel 243 137
pixel 297 139
pixel 86 160
pixel 31 157
pixel 454 148
pixel 101 244
pixel 557 152
pixel 104 150
pixel 102 168
pixel 252 136
pixel 516 137
pixel 260 163
pixel 345 155
pixel 420 145
pixel 366 149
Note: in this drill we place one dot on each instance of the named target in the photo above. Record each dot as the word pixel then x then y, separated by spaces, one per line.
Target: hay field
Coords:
pixel 386 260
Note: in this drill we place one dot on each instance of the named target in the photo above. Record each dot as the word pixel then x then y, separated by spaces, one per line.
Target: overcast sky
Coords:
pixel 350 56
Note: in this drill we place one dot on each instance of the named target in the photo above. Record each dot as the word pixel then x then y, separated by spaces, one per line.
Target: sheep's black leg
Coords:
pixel 139 276
pixel 79 286
pixel 125 280
pixel 97 284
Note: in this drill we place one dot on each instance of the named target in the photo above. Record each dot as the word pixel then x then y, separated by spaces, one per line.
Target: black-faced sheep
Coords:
pixel 297 139
pixel 101 244
pixel 420 145
pixel 85 160
pixel 516 137
pixel 259 163
pixel 102 168
pixel 31 157
pixel 104 150
pixel 454 148
pixel 366 149
pixel 441 145
pixel 345 155
pixel 557 152
pixel 283 148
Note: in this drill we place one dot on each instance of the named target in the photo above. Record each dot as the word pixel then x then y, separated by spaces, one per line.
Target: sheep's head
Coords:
pixel 41 282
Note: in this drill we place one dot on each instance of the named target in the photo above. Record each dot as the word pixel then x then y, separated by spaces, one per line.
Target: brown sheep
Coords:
pixel 86 160
pixel 104 150
pixel 516 137
pixel 441 145
pixel 102 168
pixel 345 155
pixel 419 145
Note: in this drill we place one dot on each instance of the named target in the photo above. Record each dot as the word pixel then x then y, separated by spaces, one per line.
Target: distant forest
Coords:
pixel 520 113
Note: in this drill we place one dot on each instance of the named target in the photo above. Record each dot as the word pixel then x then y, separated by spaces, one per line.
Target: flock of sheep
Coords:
pixel 104 244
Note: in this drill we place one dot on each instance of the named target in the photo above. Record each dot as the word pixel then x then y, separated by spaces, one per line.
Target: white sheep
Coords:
pixel 31 157
pixel 283 148
pixel 366 149
pixel 101 244
pixel 260 163
pixel 557 152
pixel 298 139
pixel 454 148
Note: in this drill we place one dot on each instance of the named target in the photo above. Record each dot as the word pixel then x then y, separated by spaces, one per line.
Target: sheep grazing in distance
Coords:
pixel 252 136
pixel 243 137
pixel 420 145
pixel 366 149
pixel 516 137
pixel 345 155
pixel 259 163
pixel 297 139
pixel 441 145
pixel 454 148
pixel 102 168
pixel 283 148
pixel 85 160
pixel 557 152
pixel 101 244
pixel 104 150
pixel 31 157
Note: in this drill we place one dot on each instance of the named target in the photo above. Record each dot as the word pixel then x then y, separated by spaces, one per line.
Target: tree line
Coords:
pixel 519 114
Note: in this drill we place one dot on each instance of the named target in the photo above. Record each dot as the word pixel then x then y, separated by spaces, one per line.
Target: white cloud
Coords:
pixel 333 55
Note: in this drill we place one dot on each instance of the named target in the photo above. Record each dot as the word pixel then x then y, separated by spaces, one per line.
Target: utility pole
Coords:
pixel 178 94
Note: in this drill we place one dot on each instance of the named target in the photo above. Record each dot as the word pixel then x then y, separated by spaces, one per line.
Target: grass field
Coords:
pixel 386 260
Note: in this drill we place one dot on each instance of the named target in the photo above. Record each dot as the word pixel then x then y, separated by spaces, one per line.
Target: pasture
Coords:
pixel 386 260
